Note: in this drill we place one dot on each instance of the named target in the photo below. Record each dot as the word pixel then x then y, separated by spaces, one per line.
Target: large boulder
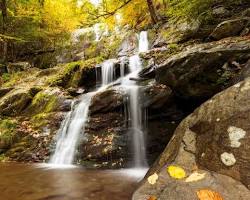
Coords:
pixel 17 67
pixel 213 140
pixel 230 28
pixel 14 102
pixel 203 70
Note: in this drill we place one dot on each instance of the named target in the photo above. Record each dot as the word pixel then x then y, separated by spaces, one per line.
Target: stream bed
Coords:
pixel 43 182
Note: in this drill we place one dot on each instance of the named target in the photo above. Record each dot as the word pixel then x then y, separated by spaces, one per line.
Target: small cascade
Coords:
pixel 71 128
pixel 108 72
pixel 74 124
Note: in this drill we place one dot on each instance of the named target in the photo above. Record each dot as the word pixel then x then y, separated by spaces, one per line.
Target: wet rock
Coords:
pixel 4 91
pixel 230 28
pixel 14 102
pixel 156 95
pixel 215 137
pixel 3 69
pixel 205 69
pixel 17 67
pixel 108 100
pixel 105 144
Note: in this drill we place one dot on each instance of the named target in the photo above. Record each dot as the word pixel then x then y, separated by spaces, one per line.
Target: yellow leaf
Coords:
pixel 176 172
pixel 152 198
pixel 208 195
pixel 195 177
pixel 152 179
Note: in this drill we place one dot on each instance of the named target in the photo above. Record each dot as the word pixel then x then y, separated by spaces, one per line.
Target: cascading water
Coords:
pixel 69 132
pixel 108 72
pixel 135 109
pixel 74 123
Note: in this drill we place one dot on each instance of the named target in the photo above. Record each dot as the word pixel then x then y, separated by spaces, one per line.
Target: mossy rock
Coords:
pixel 14 102
pixel 8 134
pixel 46 101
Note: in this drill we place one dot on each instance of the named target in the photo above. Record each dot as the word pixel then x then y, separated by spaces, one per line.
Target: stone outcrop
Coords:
pixel 213 140
pixel 230 28
pixel 205 69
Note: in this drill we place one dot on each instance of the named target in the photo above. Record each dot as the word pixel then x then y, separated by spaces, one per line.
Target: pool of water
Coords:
pixel 44 182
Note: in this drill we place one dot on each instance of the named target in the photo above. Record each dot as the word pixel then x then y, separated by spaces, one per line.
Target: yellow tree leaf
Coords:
pixel 153 178
pixel 208 195
pixel 152 198
pixel 176 172
pixel 195 177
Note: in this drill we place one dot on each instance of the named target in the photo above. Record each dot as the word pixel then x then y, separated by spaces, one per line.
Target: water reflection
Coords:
pixel 43 182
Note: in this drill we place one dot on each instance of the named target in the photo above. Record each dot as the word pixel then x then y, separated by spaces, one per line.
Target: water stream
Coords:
pixel 74 123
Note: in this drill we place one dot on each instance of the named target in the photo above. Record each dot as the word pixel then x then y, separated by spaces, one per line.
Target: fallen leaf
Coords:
pixel 208 195
pixel 195 177
pixel 152 198
pixel 153 178
pixel 176 172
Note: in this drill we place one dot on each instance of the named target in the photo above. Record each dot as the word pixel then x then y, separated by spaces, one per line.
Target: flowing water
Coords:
pixel 71 128
pixel 74 124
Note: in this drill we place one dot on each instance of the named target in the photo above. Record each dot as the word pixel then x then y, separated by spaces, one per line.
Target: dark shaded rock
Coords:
pixel 17 67
pixel 105 101
pixel 105 143
pixel 215 137
pixel 14 102
pixel 148 72
pixel 205 69
pixel 230 28
pixel 246 13
pixel 3 69
pixel 156 95
pixel 4 91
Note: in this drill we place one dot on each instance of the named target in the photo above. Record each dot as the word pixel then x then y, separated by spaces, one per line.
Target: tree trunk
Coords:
pixel 4 19
pixel 152 12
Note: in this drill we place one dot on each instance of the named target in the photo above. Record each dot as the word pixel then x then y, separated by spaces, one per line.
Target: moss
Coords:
pixel 41 119
pixel 7 133
pixel 65 74
pixel 6 77
pixel 43 103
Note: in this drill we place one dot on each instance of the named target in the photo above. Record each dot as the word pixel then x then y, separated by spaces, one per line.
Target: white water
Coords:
pixel 135 110
pixel 108 72
pixel 74 124
pixel 71 128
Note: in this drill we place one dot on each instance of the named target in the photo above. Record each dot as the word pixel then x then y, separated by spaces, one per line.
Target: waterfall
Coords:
pixel 135 110
pixel 108 72
pixel 74 123
pixel 68 135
